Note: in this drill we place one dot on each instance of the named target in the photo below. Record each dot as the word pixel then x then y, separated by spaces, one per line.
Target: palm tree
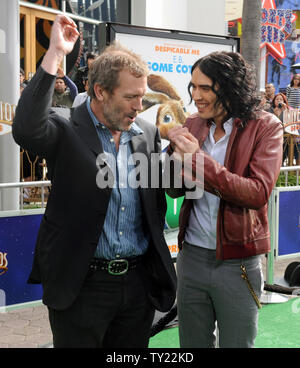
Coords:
pixel 251 28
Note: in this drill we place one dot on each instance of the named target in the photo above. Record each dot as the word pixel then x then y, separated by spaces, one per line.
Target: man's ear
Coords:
pixel 98 92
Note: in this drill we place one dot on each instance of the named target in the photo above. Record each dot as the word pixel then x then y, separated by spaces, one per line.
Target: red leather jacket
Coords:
pixel 244 184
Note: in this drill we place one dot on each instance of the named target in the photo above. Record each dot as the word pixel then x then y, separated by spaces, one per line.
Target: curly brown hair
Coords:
pixel 295 76
pixel 235 80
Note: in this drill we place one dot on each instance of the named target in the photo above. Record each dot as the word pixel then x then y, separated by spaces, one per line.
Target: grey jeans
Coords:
pixel 210 291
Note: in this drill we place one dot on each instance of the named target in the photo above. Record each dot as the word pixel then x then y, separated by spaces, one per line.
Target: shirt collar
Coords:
pixel 227 125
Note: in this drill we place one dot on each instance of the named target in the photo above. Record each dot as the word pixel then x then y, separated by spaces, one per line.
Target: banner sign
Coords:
pixel 291 119
pixel 289 223
pixel 17 242
pixel 276 27
pixel 170 57
pixel 7 112
pixel 276 22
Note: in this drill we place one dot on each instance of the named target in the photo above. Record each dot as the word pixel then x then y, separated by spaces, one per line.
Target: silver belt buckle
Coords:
pixel 119 262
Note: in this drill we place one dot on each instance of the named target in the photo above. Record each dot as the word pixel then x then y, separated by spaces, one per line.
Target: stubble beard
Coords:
pixel 113 120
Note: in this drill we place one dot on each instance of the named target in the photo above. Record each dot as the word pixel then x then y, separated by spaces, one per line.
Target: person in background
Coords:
pixel 100 254
pixel 270 92
pixel 293 92
pixel 278 106
pixel 23 81
pixel 82 72
pixel 264 105
pixel 62 96
pixel 81 97
pixel 223 234
pixel 293 96
pixel 22 86
pixel 22 78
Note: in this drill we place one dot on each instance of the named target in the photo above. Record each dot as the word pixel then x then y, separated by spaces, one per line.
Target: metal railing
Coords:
pixel 26 184
pixel 294 171
pixel 47 183
pixel 287 169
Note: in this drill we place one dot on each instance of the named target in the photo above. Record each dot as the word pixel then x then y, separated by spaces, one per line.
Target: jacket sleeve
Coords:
pixel 254 190
pixel 34 128
pixel 72 86
pixel 172 178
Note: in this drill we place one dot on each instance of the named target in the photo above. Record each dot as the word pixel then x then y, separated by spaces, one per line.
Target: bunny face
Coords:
pixel 170 115
pixel 171 112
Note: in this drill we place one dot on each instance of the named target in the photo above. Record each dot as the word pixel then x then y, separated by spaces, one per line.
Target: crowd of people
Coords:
pixel 68 92
pixel 101 255
pixel 278 103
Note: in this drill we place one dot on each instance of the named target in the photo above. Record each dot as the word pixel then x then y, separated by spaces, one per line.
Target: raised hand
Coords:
pixel 64 34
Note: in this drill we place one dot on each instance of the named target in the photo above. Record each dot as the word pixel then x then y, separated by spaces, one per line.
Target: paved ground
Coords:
pixel 25 328
pixel 29 327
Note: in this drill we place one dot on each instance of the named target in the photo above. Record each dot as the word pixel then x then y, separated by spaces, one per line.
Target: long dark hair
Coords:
pixel 233 81
pixel 292 81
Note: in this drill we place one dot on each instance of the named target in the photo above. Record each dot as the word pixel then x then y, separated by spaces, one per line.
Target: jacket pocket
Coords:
pixel 241 225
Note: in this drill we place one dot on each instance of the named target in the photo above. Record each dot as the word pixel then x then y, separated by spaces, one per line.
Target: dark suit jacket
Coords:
pixel 76 208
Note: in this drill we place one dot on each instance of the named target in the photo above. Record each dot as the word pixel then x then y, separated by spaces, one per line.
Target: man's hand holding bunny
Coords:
pixel 182 141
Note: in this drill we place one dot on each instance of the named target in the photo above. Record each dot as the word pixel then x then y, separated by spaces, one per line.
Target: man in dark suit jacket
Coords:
pixel 100 255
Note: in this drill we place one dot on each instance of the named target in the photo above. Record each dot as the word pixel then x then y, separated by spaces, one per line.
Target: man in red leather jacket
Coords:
pixel 223 233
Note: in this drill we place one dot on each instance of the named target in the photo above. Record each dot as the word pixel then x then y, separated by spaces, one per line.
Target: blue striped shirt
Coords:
pixel 122 235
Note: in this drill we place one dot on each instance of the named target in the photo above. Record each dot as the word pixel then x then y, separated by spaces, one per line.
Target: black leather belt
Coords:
pixel 115 266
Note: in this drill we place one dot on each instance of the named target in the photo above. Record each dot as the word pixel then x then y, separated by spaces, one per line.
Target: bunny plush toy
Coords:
pixel 171 111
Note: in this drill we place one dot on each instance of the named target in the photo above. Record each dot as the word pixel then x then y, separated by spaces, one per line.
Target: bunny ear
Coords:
pixel 151 99
pixel 160 84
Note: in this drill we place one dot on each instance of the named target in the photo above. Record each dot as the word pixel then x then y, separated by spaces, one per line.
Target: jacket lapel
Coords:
pixel 85 128
pixel 138 142
pixel 139 145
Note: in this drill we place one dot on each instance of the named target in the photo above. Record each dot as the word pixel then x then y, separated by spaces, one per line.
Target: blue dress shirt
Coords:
pixel 122 235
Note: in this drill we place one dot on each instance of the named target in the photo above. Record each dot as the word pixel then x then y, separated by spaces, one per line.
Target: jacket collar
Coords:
pixel 86 128
pixel 239 123
pixel 236 121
